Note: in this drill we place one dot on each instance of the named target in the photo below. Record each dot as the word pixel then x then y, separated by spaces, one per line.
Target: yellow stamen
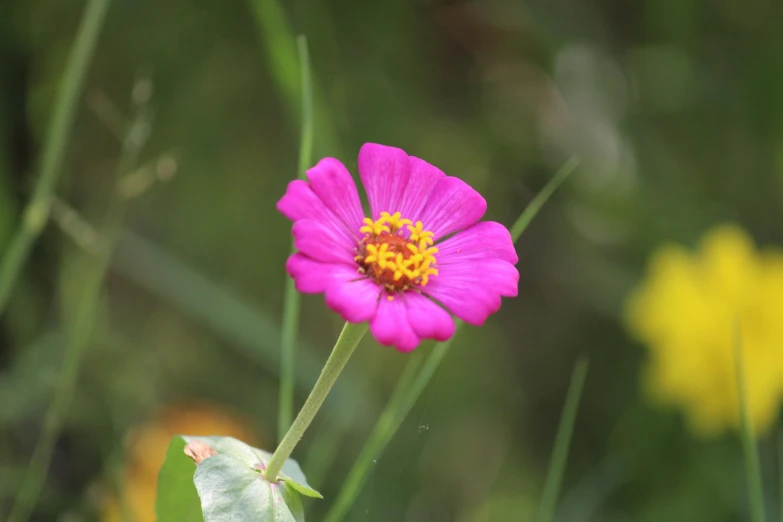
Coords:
pixel 394 260
pixel 373 227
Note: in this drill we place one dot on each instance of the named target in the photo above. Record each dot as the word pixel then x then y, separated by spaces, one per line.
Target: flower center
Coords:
pixel 396 253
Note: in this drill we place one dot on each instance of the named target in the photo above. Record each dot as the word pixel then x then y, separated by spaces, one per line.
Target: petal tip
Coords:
pixel 294 198
pixel 406 348
pixel 377 148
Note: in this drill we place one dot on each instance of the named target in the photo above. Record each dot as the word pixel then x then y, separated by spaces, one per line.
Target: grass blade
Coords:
pixel 36 214
pixel 542 197
pixel 306 140
pixel 412 382
pixel 382 433
pixel 81 332
pixel 750 450
pixel 291 297
pixel 554 478
pixel 277 39
pixel 780 473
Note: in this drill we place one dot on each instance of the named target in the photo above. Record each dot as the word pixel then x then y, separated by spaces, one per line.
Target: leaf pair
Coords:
pixel 226 484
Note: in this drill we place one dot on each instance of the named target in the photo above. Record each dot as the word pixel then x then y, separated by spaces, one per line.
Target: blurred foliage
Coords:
pixel 146 448
pixel 726 285
pixel 673 105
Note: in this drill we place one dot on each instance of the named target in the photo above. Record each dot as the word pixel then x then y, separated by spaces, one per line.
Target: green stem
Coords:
pixel 81 332
pixel 287 359
pixel 343 348
pixel 780 473
pixel 291 296
pixel 752 467
pixel 36 214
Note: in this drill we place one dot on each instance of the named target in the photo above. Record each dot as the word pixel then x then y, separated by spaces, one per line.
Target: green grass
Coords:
pixel 245 328
pixel 84 322
pixel 277 39
pixel 780 472
pixel 554 478
pixel 36 213
pixel 750 450
pixel 291 298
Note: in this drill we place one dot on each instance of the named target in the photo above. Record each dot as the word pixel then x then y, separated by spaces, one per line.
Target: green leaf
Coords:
pixel 229 483
pixel 257 459
pixel 247 455
pixel 177 499
pixel 230 491
pixel 228 486
pixel 293 475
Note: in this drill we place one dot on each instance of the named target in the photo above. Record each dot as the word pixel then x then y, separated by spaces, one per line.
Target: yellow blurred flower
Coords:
pixel 147 449
pixel 686 310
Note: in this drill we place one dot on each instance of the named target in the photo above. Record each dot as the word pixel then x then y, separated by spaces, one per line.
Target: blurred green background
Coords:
pixel 673 105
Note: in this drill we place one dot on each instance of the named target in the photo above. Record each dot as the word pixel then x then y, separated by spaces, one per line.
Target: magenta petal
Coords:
pixel 323 243
pixel 494 275
pixel 333 185
pixel 390 325
pixel 424 178
pixel 300 202
pixel 480 241
pixel 472 291
pixel 385 172
pixel 355 300
pixel 310 276
pixel 453 205
pixel 427 318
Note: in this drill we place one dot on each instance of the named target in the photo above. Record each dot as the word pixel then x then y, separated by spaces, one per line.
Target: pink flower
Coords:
pixel 422 248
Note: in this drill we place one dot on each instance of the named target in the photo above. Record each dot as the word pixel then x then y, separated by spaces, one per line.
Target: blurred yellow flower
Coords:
pixel 686 310
pixel 147 449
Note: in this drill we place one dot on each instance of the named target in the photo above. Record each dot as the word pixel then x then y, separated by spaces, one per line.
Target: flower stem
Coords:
pixel 343 348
